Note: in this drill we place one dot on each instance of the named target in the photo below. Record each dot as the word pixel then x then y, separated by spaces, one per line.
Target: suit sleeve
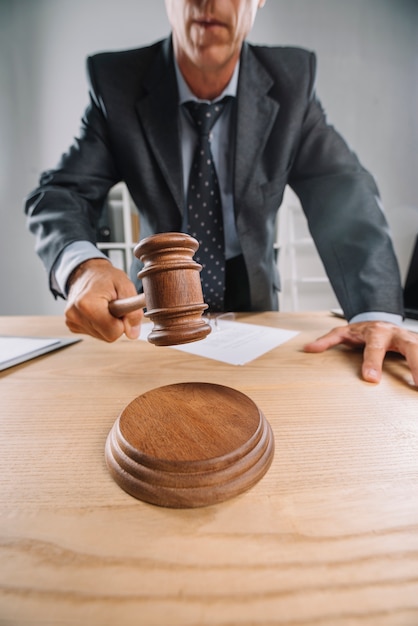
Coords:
pixel 66 206
pixel 345 216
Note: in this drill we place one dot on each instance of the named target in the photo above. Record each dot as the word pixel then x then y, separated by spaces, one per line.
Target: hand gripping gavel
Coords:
pixel 172 290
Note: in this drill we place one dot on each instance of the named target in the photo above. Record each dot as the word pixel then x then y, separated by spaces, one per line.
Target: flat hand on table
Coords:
pixel 92 285
pixel 378 338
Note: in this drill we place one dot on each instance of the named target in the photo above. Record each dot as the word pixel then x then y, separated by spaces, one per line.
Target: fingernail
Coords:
pixel 372 374
pixel 134 332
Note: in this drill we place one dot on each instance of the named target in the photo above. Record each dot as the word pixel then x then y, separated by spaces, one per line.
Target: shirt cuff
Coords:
pixel 71 257
pixel 377 316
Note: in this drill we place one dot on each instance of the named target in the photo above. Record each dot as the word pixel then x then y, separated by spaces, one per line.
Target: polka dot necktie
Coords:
pixel 204 206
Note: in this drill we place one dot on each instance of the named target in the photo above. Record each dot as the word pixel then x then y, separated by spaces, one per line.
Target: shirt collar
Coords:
pixel 186 95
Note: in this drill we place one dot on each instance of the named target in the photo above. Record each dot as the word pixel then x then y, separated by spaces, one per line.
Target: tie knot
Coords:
pixel 204 114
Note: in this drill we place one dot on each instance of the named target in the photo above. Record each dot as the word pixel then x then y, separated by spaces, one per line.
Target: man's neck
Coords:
pixel 206 83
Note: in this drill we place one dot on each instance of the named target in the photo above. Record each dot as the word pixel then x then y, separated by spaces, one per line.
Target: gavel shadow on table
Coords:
pixel 184 445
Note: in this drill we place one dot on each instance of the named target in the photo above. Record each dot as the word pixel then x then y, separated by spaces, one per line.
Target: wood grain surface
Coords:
pixel 328 537
pixel 189 444
pixel 172 290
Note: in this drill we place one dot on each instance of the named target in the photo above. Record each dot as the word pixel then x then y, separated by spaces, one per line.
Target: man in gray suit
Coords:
pixel 272 132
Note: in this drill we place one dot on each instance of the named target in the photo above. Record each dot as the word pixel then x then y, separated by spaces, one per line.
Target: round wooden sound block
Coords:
pixel 189 445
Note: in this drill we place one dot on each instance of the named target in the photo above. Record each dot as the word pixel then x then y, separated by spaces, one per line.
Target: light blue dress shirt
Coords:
pixel 220 139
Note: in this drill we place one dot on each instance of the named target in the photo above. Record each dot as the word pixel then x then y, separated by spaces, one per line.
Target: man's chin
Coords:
pixel 214 57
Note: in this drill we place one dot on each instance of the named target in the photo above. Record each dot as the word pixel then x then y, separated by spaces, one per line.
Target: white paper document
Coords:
pixel 15 350
pixel 233 342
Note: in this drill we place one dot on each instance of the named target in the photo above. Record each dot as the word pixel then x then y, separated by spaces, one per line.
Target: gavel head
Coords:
pixel 172 288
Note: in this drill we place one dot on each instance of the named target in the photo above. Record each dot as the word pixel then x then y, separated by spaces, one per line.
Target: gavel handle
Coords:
pixel 119 308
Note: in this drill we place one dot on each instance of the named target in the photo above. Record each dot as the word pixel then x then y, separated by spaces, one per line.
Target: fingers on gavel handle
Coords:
pixel 119 308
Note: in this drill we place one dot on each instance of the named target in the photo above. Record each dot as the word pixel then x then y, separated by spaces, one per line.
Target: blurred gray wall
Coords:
pixel 367 80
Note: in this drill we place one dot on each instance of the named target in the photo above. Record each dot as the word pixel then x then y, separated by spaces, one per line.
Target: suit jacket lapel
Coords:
pixel 158 112
pixel 256 113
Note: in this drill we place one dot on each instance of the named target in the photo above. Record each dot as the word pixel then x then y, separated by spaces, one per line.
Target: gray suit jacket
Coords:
pixel 130 132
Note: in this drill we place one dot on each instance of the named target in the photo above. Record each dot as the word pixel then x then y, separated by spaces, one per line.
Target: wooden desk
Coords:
pixel 328 537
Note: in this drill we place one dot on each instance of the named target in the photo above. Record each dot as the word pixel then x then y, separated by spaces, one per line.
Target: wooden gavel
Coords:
pixel 172 290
